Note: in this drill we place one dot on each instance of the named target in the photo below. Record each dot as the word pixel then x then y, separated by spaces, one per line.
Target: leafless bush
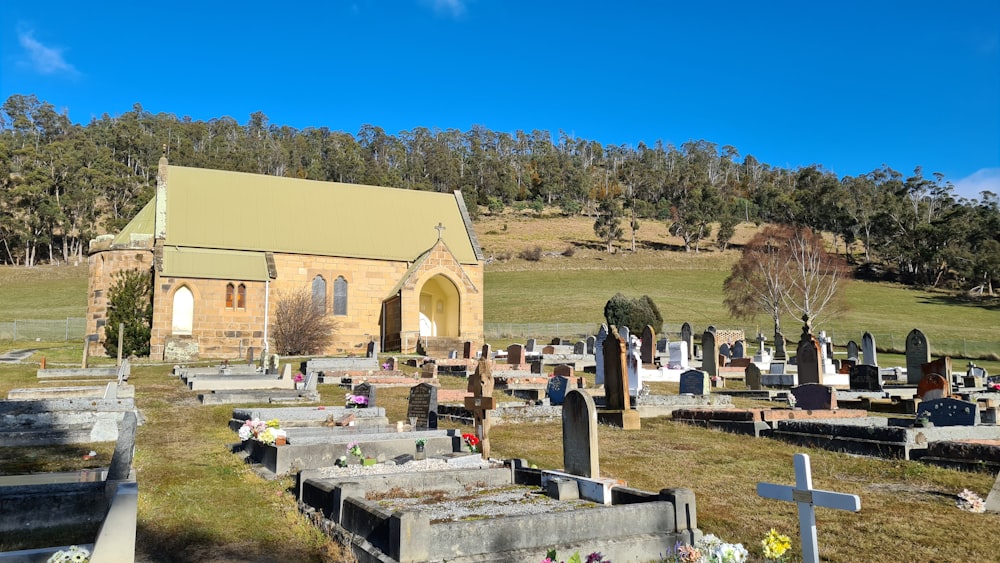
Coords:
pixel 300 328
pixel 569 252
pixel 531 254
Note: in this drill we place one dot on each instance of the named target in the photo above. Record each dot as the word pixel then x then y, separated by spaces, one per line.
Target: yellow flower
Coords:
pixel 775 545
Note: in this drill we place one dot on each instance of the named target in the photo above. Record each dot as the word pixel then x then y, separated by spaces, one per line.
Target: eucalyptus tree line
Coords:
pixel 63 183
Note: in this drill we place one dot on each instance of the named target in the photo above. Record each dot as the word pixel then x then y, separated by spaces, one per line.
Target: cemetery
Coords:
pixel 947 421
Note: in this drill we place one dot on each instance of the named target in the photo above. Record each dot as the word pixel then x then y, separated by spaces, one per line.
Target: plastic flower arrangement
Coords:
pixel 471 442
pixel 775 545
pixel 355 450
pixel 709 549
pixel 299 378
pixel 355 401
pixel 550 557
pixel 993 387
pixel 257 429
pixel 970 501
pixel 75 554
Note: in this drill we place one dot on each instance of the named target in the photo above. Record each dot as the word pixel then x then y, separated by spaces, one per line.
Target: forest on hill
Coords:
pixel 62 183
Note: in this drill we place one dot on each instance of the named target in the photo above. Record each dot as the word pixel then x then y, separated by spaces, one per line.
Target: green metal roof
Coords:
pixel 214 264
pixel 239 211
pixel 141 224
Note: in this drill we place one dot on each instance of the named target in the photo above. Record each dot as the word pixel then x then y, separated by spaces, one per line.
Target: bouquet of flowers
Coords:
pixel 709 549
pixel 775 545
pixel 471 442
pixel 257 429
pixel 355 450
pixel 75 554
pixel 968 500
pixel 299 378
pixel 595 557
pixel 355 401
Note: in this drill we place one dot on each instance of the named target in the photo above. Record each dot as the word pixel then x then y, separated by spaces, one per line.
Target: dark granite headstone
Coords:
pixel 709 353
pixel 367 391
pixel 869 355
pixel 646 350
pixel 579 428
pixel 752 376
pixel 865 378
pixel 423 405
pixel 467 350
pixel 813 396
pixel 918 353
pixel 580 348
pixel 695 382
pixel 807 360
pixel 738 350
pixel 687 335
pixel 556 389
pixel 515 355
pixel 591 344
pixel 852 350
pixel 949 412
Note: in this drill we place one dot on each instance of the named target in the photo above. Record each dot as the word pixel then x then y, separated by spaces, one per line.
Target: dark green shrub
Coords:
pixel 130 302
pixel 633 313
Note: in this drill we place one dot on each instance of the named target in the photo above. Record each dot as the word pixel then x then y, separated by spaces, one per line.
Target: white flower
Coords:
pixel 245 433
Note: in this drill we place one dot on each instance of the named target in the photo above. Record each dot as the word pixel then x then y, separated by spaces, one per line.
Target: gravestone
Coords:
pixel 779 346
pixel 807 358
pixel 992 503
pixel 709 353
pixel 725 350
pixel 580 348
pixel 591 342
pixel 367 391
pixel 530 346
pixel 933 386
pixel 678 355
pixel 556 389
pixel 738 351
pixel 752 377
pixel 602 336
pixel 687 337
pixel 807 500
pixel 813 396
pixel 760 343
pixel 556 342
pixel 940 366
pixel 372 350
pixel 776 368
pixel 481 403
pixel 711 328
pixel 949 412
pixel 918 353
pixel 564 370
pixel 618 409
pixel 423 405
pixel 646 352
pixel 695 382
pixel 392 364
pixel 869 355
pixel 515 355
pixel 579 428
pixel 852 350
pixel 846 366
pixel 661 345
pixel 310 382
pixel 633 365
pixel 467 350
pixel 121 459
pixel 865 378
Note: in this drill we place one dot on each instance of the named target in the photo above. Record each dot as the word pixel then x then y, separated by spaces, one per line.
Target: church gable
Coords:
pixel 438 259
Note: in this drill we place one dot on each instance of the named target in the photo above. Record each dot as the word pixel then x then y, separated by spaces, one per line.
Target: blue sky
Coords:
pixel 849 85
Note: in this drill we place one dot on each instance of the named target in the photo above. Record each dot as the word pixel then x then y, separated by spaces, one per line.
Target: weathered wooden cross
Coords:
pixel 808 498
pixel 482 402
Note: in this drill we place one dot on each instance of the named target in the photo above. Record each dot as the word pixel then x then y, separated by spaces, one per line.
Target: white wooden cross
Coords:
pixel 808 498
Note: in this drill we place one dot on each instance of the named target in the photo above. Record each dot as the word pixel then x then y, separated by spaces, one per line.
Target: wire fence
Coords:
pixel 70 328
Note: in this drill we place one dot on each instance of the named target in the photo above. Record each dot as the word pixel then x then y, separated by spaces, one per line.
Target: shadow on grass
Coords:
pixel 989 304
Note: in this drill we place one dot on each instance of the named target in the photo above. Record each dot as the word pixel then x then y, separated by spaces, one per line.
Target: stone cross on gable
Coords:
pixel 482 402
pixel 808 498
pixel 440 229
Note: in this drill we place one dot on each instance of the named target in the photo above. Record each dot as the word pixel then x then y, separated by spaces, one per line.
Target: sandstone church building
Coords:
pixel 398 267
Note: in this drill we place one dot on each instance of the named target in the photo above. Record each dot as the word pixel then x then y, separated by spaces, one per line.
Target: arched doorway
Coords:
pixel 440 305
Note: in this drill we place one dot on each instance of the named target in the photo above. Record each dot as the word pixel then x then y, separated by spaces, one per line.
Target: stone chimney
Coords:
pixel 160 222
